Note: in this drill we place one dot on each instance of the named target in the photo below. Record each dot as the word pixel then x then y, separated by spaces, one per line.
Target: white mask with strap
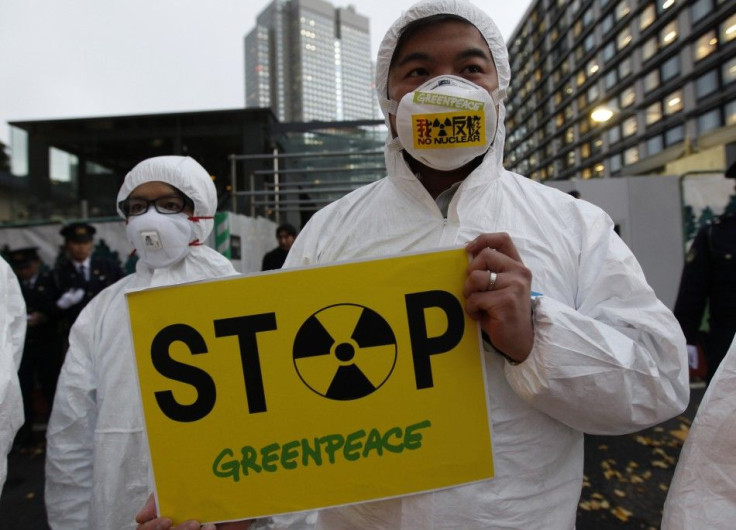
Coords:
pixel 160 240
pixel 446 122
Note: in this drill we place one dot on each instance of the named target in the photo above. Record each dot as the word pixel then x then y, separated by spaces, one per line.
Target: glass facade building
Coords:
pixel 307 60
pixel 666 69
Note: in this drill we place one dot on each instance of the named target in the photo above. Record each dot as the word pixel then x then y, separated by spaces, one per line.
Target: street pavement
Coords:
pixel 625 483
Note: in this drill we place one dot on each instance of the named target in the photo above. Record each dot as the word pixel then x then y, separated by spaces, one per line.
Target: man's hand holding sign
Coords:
pixel 321 390
pixel 498 294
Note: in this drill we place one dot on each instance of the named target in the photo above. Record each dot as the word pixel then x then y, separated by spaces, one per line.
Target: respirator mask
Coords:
pixel 160 240
pixel 447 122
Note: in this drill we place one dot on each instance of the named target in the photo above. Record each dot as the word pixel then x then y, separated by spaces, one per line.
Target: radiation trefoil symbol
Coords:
pixel 345 352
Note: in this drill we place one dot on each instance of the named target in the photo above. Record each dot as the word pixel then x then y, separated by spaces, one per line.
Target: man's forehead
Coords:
pixel 410 47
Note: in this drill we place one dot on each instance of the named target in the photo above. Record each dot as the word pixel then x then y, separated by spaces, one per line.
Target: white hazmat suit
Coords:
pixel 12 338
pixel 97 465
pixel 703 489
pixel 608 356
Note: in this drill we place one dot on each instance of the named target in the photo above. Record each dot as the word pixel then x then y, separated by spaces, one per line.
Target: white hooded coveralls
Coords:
pixel 703 489
pixel 608 356
pixel 97 463
pixel 12 338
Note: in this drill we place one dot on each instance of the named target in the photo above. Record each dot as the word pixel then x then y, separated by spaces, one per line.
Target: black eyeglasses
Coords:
pixel 168 204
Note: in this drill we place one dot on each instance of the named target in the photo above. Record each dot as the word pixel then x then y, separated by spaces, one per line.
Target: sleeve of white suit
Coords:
pixel 703 489
pixel 69 454
pixel 12 337
pixel 616 362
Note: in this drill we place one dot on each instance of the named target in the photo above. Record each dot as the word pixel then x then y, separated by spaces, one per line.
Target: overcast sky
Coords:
pixel 86 58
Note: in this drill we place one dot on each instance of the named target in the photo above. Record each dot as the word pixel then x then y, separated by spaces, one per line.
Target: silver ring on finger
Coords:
pixel 492 276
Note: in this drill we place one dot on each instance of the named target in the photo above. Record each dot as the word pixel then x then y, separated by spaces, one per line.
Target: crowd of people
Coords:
pixel 593 351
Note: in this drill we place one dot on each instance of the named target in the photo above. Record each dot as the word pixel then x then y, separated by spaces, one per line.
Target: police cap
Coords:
pixel 22 257
pixel 78 232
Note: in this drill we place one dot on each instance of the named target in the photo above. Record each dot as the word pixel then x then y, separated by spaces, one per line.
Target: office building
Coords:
pixel 307 60
pixel 660 73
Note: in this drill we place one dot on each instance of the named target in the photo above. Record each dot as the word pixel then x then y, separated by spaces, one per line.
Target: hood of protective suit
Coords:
pixel 189 177
pixel 487 28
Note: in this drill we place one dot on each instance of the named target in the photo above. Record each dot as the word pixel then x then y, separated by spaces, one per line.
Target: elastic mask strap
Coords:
pixel 195 243
pixel 394 144
pixel 195 219
pixel 389 106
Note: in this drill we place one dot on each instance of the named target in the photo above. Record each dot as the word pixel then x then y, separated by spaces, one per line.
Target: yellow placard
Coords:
pixel 312 387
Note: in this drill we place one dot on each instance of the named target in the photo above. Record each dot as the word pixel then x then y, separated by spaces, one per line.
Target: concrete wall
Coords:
pixel 648 212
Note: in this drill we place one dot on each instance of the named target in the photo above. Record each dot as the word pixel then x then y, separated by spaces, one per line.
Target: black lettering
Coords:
pixel 246 328
pixel 423 346
pixel 178 371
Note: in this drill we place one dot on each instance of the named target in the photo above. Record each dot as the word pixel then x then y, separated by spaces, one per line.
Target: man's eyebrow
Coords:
pixel 414 56
pixel 475 52
pixel 465 54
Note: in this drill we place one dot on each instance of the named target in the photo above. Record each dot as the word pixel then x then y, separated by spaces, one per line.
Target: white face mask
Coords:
pixel 447 122
pixel 160 240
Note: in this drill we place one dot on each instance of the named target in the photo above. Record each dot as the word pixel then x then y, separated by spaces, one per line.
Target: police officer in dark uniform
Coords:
pixel 709 277
pixel 79 275
pixel 41 360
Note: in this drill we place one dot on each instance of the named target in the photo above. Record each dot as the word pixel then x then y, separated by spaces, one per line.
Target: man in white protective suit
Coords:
pixel 97 464
pixel 592 351
pixel 703 489
pixel 12 338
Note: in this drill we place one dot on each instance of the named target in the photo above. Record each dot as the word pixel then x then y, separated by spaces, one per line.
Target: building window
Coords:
pixel 648 15
pixel 631 155
pixel 728 29
pixel 569 135
pixel 611 78
pixel 597 145
pixel 673 103
pixel 654 145
pixel 649 48
pixel 623 8
pixel 728 71
pixel 705 45
pixel 709 121
pixel 675 135
pixel 668 35
pixel 623 39
pixel 580 78
pixel 585 150
pixel 731 112
pixel 628 127
pixel 699 9
pixel 706 84
pixel 624 68
pixel 607 23
pixel 664 5
pixel 592 67
pixel 615 163
pixel 570 159
pixel 670 68
pixel 653 113
pixel 651 81
pixel 609 51
pixel 614 135
pixel 627 97
pixel 593 93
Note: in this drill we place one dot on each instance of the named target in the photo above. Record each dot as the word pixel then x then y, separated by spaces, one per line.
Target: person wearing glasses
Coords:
pixel 97 458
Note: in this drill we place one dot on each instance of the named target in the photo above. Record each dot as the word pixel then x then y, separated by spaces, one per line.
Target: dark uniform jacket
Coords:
pixel 41 296
pixel 709 277
pixel 274 259
pixel 103 273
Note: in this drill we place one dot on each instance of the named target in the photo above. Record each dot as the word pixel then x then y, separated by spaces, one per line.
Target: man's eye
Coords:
pixel 136 207
pixel 417 72
pixel 171 204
